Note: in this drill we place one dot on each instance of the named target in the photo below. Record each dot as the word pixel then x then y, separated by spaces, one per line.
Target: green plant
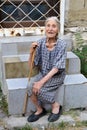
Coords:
pixel 26 127
pixel 62 125
pixel 78 38
pixel 81 52
pixel 4 104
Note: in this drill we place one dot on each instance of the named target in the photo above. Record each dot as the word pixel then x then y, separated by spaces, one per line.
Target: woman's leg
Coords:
pixel 40 111
pixel 35 101
pixel 56 112
pixel 55 107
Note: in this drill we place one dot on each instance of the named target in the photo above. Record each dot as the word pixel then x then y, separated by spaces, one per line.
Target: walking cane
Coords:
pixel 30 72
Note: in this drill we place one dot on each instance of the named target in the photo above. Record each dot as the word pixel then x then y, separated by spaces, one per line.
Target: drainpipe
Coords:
pixel 62 14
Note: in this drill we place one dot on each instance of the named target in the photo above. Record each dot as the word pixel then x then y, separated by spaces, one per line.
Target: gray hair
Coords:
pixel 53 18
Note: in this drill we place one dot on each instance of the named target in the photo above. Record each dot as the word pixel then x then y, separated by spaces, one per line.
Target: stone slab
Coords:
pixel 75 91
pixel 75 79
pixel 67 94
pixel 17 45
pixel 75 96
pixel 76 5
pixel 72 63
pixel 16 93
pixel 19 63
pixel 42 123
pixel 9 49
pixel 21 45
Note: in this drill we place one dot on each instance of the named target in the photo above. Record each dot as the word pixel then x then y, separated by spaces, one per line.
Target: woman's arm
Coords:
pixel 49 75
pixel 40 83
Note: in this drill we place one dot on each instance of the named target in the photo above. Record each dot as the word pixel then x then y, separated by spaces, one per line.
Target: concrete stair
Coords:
pixel 71 95
pixel 19 63
pixel 14 66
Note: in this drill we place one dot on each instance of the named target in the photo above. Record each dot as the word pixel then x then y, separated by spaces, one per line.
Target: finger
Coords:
pixel 35 91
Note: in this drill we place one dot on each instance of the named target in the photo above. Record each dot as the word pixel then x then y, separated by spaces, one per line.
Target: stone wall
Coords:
pixel 76 12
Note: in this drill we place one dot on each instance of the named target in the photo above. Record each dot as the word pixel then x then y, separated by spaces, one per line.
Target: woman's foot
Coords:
pixel 36 115
pixel 54 116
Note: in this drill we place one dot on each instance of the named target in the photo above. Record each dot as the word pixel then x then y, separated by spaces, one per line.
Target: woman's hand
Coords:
pixel 36 87
pixel 33 46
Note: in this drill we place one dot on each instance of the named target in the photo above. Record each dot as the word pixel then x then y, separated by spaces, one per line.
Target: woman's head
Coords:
pixel 52 27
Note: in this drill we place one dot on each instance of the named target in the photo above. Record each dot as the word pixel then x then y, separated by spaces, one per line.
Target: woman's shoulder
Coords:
pixel 61 42
pixel 40 41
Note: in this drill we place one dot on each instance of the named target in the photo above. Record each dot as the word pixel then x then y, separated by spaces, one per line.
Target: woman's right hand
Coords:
pixel 33 46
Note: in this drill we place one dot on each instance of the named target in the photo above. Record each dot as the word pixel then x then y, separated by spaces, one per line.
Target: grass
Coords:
pixel 3 102
pixel 26 127
pixel 60 126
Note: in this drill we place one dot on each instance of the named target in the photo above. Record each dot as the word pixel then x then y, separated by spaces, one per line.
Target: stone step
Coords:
pixel 20 64
pixel 75 91
pixel 72 63
pixel 21 45
pixel 73 94
pixel 17 67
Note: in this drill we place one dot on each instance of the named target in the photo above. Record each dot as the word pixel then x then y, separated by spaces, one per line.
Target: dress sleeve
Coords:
pixel 60 58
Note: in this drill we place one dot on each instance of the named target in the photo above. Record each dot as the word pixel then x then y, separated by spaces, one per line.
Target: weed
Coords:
pixel 4 104
pixel 81 52
pixel 26 127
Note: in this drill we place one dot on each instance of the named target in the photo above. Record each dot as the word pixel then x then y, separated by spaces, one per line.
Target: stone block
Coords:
pixel 16 93
pixel 69 40
pixel 21 45
pixel 17 45
pixel 76 4
pixel 9 49
pixel 16 66
pixel 72 63
pixel 75 92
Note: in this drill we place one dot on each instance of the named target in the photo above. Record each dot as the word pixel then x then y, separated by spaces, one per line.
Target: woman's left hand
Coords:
pixel 36 87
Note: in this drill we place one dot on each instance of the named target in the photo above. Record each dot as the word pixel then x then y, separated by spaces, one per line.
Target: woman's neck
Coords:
pixel 51 40
pixel 50 44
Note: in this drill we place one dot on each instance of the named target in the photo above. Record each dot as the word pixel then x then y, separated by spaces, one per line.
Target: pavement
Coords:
pixel 70 117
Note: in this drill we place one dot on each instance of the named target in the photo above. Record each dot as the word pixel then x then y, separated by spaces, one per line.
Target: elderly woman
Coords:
pixel 51 58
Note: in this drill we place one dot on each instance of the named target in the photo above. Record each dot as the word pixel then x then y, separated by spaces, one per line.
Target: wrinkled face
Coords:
pixel 51 29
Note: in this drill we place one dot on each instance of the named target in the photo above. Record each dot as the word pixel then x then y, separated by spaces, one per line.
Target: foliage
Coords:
pixel 3 104
pixel 26 127
pixel 79 40
pixel 81 52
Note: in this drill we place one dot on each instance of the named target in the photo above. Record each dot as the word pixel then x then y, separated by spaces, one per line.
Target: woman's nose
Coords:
pixel 50 28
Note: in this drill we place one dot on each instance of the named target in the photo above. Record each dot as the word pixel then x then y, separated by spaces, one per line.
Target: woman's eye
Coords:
pixel 54 26
pixel 48 25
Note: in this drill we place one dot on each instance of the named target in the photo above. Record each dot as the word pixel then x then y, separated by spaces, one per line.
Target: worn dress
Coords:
pixel 47 60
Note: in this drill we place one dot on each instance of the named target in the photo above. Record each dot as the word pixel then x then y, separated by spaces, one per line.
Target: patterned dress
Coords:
pixel 47 60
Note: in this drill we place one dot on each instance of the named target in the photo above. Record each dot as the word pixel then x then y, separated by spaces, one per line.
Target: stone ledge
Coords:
pixel 68 93
pixel 20 63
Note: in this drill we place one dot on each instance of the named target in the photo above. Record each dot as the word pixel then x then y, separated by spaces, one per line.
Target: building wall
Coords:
pixel 76 12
